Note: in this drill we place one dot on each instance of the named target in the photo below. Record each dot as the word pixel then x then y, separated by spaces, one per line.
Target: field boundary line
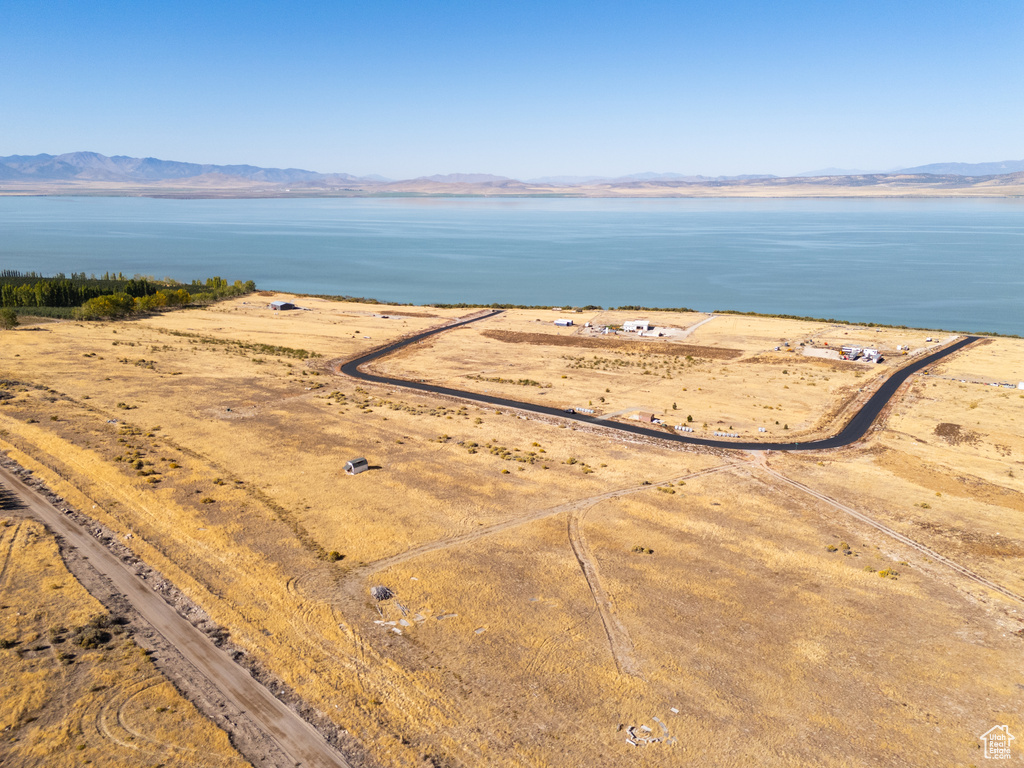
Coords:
pixel 892 533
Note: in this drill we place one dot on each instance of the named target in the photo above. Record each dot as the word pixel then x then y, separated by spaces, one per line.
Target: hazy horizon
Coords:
pixel 524 91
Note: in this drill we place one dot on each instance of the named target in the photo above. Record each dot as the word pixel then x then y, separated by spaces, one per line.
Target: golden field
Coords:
pixel 75 689
pixel 713 373
pixel 557 588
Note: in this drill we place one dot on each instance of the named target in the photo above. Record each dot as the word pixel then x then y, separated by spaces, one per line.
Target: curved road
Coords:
pixel 853 431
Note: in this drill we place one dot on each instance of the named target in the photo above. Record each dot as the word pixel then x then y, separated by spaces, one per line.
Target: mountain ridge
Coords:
pixel 75 172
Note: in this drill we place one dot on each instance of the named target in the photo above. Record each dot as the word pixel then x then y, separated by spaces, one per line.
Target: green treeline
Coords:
pixel 111 296
pixel 57 292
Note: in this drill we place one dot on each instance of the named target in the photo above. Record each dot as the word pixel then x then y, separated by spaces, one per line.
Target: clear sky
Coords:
pixel 519 88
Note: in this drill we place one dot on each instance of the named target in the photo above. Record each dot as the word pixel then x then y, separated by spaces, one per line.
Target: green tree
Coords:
pixel 8 318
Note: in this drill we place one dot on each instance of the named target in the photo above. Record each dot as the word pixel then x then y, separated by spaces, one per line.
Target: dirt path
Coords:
pixel 354 580
pixel 692 328
pixel 296 738
pixel 618 638
pixel 931 553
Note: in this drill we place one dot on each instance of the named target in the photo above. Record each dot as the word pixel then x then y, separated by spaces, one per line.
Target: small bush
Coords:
pixel 93 637
pixel 334 556
pixel 206 500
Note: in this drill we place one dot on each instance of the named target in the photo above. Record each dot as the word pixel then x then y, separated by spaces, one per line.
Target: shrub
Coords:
pixel 93 638
pixel 334 556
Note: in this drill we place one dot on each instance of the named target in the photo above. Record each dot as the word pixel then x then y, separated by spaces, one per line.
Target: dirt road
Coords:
pixel 296 738
pixel 906 540
pixel 618 636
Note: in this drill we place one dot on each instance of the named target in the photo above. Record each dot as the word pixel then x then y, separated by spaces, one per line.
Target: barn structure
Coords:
pixel 356 466
pixel 281 305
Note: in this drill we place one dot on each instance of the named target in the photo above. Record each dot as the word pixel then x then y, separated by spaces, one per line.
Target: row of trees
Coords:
pixel 58 292
pixel 118 305
pixel 111 296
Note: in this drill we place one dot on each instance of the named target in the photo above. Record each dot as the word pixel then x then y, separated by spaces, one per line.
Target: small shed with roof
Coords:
pixel 355 466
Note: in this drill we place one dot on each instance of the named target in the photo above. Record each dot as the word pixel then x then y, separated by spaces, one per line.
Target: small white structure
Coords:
pixel 637 326
pixel 1021 385
pixel 563 321
pixel 356 466
pixel 281 305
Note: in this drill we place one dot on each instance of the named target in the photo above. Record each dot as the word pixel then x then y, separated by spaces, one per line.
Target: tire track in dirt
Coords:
pixel 619 641
pixel 282 727
pixel 892 533
pixel 9 550
pixel 347 586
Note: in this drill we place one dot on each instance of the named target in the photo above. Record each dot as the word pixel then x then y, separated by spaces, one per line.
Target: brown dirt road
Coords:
pixel 296 738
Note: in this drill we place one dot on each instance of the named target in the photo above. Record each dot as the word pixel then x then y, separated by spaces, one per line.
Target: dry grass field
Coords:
pixel 75 689
pixel 558 591
pixel 720 373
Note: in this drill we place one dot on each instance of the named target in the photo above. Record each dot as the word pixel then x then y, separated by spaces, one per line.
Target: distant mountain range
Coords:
pixel 64 174
pixel 92 166
pixel 969 169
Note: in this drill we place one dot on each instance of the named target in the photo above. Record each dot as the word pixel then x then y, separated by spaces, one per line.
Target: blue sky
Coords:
pixel 522 88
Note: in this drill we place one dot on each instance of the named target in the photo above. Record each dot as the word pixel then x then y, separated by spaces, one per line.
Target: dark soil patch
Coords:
pixel 621 345
pixel 954 434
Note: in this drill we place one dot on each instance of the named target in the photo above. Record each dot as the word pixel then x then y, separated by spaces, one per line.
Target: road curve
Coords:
pixel 852 432
pixel 299 741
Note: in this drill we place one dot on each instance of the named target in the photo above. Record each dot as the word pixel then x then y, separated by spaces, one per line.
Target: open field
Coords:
pixel 76 689
pixel 714 373
pixel 557 590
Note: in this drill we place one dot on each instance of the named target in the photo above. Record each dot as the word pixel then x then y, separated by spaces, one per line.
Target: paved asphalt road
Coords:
pixel 296 738
pixel 852 432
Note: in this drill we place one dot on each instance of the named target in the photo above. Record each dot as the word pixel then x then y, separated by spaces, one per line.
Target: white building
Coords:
pixel 637 326
pixel 563 321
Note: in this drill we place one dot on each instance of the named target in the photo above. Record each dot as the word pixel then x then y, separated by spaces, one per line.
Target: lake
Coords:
pixel 944 263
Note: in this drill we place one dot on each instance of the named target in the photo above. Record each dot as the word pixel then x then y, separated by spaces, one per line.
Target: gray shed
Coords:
pixel 281 305
pixel 356 466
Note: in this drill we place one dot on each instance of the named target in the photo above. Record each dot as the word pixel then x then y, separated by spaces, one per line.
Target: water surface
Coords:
pixel 956 264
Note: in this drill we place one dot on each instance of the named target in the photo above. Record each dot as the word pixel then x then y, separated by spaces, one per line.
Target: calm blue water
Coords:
pixel 956 264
